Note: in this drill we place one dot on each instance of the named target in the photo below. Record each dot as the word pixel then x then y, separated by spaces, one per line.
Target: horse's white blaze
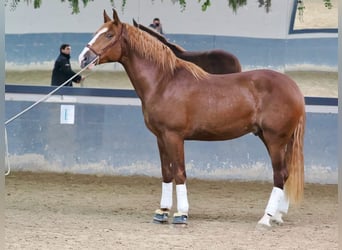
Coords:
pixel 92 41
pixel 101 31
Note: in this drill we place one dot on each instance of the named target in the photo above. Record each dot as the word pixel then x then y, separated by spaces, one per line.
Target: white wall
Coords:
pixel 219 19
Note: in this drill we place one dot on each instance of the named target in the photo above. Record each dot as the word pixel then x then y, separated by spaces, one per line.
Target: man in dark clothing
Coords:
pixel 62 69
pixel 156 25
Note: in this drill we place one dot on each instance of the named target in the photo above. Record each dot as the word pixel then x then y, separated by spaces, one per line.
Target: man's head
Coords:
pixel 65 48
pixel 156 21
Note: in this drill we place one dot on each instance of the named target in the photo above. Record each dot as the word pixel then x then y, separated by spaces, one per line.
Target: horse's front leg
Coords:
pixel 171 149
pixel 162 214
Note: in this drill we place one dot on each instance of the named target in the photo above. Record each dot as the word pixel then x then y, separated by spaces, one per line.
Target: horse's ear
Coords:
pixel 135 23
pixel 116 19
pixel 106 18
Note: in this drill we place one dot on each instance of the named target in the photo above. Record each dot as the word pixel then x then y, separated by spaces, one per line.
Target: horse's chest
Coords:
pixel 152 120
pixel 158 118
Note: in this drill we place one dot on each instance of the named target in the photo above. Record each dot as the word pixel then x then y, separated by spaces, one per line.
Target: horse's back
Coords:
pixel 269 93
pixel 261 81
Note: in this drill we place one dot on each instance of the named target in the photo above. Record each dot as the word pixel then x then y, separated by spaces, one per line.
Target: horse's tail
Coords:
pixel 294 185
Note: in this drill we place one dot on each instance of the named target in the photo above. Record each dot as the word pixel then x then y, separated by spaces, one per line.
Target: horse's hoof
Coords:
pixel 277 219
pixel 264 222
pixel 161 217
pixel 180 219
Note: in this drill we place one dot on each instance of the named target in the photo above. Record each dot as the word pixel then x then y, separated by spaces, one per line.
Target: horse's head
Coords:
pixel 105 45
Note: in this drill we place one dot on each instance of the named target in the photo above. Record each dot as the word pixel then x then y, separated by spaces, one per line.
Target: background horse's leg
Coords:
pixel 162 215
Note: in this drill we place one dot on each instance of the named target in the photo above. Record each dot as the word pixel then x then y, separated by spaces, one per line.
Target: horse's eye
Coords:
pixel 109 35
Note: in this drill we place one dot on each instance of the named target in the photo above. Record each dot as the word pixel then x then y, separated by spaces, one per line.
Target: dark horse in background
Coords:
pixel 180 101
pixel 213 61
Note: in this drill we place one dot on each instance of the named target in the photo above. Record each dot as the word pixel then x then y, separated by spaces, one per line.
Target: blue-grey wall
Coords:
pixel 25 49
pixel 113 139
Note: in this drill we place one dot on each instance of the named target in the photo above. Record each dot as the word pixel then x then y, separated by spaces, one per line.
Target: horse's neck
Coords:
pixel 142 73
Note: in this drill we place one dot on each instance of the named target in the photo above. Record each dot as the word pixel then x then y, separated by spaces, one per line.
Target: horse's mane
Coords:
pixel 149 47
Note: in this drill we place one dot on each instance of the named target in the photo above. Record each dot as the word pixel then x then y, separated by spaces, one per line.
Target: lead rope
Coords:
pixel 32 106
pixel 7 155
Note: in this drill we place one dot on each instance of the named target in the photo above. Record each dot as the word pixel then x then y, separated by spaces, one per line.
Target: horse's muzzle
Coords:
pixel 87 57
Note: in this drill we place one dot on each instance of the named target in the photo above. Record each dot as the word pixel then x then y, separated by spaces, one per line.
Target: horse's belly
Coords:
pixel 219 134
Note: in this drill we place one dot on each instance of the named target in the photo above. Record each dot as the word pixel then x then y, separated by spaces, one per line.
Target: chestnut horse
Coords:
pixel 213 61
pixel 180 101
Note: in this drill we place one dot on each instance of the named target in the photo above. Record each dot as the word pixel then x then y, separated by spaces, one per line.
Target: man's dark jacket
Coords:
pixel 62 71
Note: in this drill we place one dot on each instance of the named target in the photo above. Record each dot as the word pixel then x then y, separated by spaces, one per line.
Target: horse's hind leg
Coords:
pixel 277 203
pixel 282 209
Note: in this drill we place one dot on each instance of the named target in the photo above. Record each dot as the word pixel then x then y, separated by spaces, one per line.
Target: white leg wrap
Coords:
pixel 282 209
pixel 166 199
pixel 274 201
pixel 284 205
pixel 272 207
pixel 265 220
pixel 277 218
pixel 182 199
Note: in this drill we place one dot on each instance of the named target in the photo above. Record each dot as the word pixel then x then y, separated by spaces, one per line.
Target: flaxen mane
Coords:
pixel 149 47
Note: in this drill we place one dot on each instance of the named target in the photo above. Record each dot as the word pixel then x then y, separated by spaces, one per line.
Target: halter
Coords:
pixel 98 54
